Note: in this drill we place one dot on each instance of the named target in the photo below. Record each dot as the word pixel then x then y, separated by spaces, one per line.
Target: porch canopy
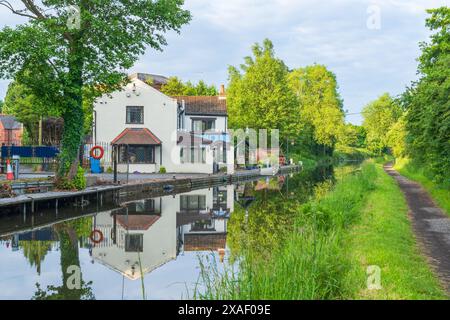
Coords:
pixel 136 136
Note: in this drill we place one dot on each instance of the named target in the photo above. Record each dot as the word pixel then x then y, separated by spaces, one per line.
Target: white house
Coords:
pixel 144 235
pixel 152 130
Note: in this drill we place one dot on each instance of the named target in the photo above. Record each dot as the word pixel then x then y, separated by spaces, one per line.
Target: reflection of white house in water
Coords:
pixel 157 230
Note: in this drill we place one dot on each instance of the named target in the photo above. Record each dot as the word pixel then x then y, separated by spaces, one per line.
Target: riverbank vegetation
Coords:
pixel 321 249
pixel 415 126
pixel 440 192
pixel 383 237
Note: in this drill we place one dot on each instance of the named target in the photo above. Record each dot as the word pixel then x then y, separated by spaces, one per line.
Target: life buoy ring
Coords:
pixel 94 155
pixel 96 236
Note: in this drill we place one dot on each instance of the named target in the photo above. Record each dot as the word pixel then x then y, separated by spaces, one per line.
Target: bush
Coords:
pixel 77 183
pixel 162 170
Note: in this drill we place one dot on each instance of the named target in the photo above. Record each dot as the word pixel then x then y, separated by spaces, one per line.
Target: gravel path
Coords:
pixel 430 224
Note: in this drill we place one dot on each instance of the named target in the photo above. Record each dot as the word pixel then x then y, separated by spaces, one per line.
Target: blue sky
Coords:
pixel 371 45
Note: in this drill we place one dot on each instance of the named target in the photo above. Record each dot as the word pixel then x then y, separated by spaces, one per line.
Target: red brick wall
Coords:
pixel 14 136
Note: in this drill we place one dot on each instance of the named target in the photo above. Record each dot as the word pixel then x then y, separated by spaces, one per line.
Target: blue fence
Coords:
pixel 29 152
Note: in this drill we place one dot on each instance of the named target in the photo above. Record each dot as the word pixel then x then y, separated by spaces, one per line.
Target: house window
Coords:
pixel 135 115
pixel 134 243
pixel 193 155
pixel 202 125
pixel 194 203
pixel 137 154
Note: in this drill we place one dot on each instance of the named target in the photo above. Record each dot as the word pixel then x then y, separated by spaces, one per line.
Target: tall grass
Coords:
pixel 383 237
pixel 311 263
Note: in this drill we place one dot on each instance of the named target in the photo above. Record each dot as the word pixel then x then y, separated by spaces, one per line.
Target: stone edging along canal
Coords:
pixel 152 188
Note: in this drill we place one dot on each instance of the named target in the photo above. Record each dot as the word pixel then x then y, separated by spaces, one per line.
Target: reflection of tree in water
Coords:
pixel 68 235
pixel 272 213
pixel 35 252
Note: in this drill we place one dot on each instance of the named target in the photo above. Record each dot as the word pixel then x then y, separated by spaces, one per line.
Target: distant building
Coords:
pixel 11 130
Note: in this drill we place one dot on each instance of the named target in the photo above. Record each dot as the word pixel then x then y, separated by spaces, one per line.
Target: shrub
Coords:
pixel 162 170
pixel 77 183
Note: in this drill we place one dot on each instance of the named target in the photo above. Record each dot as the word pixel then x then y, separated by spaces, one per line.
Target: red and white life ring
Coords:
pixel 94 154
pixel 96 236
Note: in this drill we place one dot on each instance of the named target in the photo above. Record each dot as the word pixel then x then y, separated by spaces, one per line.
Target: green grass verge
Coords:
pixel 439 192
pixel 361 222
pixel 383 237
pixel 311 263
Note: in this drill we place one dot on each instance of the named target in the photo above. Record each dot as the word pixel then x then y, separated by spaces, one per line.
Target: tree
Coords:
pixel 427 102
pixel 1 105
pixel 353 136
pixel 379 116
pixel 260 97
pixel 84 45
pixel 320 111
pixel 69 234
pixel 27 108
pixel 176 87
pixel 396 138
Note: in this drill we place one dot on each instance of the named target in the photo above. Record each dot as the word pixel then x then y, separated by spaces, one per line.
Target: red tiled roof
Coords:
pixel 137 223
pixel 204 242
pixel 201 105
pixel 141 136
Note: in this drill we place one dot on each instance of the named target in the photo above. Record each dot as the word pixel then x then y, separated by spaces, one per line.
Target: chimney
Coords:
pixel 222 93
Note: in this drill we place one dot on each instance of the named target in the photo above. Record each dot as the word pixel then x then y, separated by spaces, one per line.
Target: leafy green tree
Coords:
pixel 1 105
pixel 379 116
pixel 321 115
pixel 202 89
pixel 176 87
pixel 35 252
pixel 69 234
pixel 353 136
pixel 259 96
pixel 85 45
pixel 427 102
pixel 396 138
pixel 21 102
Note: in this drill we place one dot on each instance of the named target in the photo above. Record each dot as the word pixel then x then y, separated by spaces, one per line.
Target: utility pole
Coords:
pixel 40 132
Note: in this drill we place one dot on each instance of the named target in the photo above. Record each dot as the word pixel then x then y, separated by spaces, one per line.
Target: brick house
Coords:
pixel 11 131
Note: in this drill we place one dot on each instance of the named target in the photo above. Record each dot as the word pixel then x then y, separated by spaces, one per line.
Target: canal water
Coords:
pixel 145 249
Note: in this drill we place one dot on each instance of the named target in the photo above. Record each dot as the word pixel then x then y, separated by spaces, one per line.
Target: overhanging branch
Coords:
pixel 30 11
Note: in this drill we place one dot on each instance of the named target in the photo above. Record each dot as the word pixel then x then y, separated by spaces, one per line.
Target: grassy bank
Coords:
pixel 383 238
pixel 312 262
pixel 439 192
pixel 361 222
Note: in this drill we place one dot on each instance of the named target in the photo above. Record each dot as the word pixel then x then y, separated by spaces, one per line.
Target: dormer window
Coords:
pixel 135 115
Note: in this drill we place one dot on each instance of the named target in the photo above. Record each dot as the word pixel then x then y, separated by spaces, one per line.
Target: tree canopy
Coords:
pixel 379 116
pixel 259 96
pixel 27 108
pixel 88 44
pixel 176 87
pixel 319 104
pixel 427 101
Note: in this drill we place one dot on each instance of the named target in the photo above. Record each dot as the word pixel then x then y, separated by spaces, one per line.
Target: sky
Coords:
pixel 371 45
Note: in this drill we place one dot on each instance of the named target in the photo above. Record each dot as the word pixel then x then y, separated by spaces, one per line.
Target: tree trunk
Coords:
pixel 73 115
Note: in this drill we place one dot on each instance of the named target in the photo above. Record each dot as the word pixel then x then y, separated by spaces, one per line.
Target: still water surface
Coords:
pixel 149 248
